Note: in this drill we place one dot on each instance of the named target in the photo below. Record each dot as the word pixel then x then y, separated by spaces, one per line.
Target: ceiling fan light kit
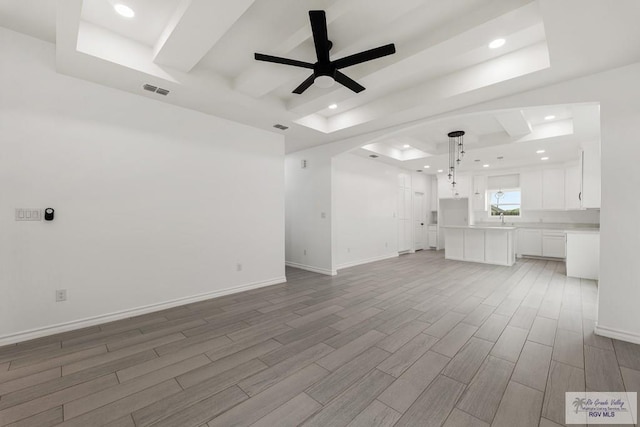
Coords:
pixel 325 71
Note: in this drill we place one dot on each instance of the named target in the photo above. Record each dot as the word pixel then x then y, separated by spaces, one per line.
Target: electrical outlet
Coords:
pixel 323 215
pixel 386 244
pixel 348 249
pixel 238 267
pixel 304 252
pixel 61 295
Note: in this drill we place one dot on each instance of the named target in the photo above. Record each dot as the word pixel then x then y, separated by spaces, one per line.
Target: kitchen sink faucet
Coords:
pixel 502 217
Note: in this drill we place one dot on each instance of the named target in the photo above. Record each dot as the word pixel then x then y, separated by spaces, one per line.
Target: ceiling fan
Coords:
pixel 326 71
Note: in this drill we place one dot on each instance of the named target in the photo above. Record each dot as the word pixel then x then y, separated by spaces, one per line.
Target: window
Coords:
pixel 505 202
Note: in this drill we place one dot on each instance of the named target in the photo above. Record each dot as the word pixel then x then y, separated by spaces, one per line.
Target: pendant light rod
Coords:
pixel 456 153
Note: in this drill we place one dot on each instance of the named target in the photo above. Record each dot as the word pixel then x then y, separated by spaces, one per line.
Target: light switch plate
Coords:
pixel 28 214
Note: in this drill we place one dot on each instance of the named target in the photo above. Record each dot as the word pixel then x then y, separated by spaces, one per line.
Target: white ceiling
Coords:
pixel 202 51
pixel 503 139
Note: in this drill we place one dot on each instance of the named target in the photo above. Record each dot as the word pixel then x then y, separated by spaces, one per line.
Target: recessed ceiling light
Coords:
pixel 544 158
pixel 427 166
pixel 406 146
pixel 485 166
pixel 440 170
pixel 539 151
pixel 496 43
pixel 550 117
pixel 124 10
pixel 333 106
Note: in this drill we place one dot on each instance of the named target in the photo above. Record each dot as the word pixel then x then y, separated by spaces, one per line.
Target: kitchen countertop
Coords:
pixel 549 226
pixel 482 227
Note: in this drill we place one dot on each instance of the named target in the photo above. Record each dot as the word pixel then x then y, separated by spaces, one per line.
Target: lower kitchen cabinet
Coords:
pixel 529 242
pixel 546 243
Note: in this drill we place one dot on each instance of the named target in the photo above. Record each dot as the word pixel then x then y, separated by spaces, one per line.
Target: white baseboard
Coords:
pixel 311 268
pixel 366 261
pixel 105 318
pixel 617 334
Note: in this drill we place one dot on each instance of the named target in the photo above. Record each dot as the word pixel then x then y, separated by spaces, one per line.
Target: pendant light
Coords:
pixel 456 153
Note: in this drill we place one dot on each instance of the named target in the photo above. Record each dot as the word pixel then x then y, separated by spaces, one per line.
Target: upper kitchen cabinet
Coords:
pixel 573 187
pixel 463 187
pixel 591 174
pixel 531 189
pixel 479 193
pixel 553 189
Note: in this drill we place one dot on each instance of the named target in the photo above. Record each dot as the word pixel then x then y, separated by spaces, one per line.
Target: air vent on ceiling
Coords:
pixel 156 89
pixel 373 156
pixel 281 127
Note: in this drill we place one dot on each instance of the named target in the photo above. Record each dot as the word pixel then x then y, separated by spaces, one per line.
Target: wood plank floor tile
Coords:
pixel 562 378
pixel 35 406
pixel 543 331
pixel 402 336
pixel 218 366
pixel 291 414
pixel 256 407
pixel 568 348
pixel 601 370
pixel 360 349
pixel 451 343
pixel 510 344
pixel 120 407
pixel 442 327
pixel 49 418
pixel 406 389
pixel 377 414
pixel 628 354
pixel 406 355
pixel 111 394
pixel 276 373
pixel 176 402
pixel 347 352
pixel 533 366
pixel 339 380
pixel 344 408
pixel 457 418
pixel 434 405
pixel 520 407
pixel 492 328
pixel 482 398
pixel 468 360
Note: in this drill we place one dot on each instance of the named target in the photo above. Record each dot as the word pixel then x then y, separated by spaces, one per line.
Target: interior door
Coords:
pixel 420 223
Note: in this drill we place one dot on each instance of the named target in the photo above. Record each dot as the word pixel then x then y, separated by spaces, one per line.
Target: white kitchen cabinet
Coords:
pixel 591 175
pixel 531 190
pixel 553 189
pixel 454 247
pixel 433 196
pixel 474 245
pixel 432 236
pixel 573 187
pixel 554 244
pixel 529 242
pixel 499 248
pixel 583 254
pixel 479 193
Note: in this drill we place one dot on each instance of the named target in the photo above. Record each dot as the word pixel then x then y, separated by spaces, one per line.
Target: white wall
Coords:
pixel 154 203
pixel 309 211
pixel 365 196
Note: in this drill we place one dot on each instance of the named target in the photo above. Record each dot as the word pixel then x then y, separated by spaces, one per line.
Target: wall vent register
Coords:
pixel 156 89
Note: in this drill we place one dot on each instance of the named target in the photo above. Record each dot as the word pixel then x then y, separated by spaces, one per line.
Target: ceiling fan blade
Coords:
pixel 348 82
pixel 365 56
pixel 320 39
pixel 305 84
pixel 285 61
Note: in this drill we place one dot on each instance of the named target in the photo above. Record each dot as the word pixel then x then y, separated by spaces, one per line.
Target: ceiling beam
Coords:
pixel 194 29
pixel 514 123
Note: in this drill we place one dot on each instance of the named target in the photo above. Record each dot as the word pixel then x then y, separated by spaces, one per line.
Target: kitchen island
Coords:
pixel 485 244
